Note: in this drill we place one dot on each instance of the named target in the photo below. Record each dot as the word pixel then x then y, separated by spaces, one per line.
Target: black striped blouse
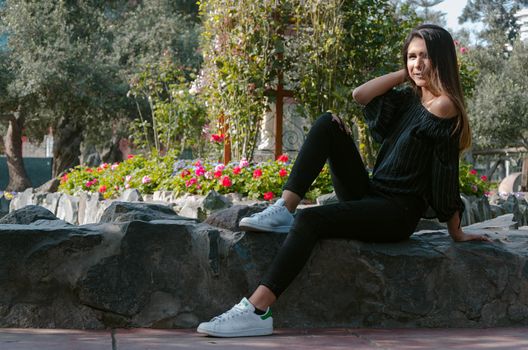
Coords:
pixel 419 153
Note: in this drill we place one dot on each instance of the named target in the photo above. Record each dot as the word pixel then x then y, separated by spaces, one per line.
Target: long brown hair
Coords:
pixel 444 76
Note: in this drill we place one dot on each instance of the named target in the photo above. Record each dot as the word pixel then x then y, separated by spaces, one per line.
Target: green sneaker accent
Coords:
pixel 268 314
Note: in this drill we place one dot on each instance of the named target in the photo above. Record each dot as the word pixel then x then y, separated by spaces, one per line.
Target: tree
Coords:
pixel 59 54
pixel 427 14
pixel 12 121
pixel 498 17
pixel 324 49
pixel 499 107
pixel 70 63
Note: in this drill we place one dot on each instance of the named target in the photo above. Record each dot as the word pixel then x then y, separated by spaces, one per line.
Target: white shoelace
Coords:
pixel 229 314
pixel 272 209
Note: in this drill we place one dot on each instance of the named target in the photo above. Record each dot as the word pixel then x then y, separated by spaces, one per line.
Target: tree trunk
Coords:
pixel 18 179
pixel 66 146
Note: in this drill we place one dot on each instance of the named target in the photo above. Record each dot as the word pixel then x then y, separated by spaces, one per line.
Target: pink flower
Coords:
pixel 283 158
pixel 226 181
pixel 130 156
pixel 145 180
pixel 243 163
pixel 190 182
pixel 220 167
pixel 217 174
pixel 64 178
pixel 237 170
pixel 185 173
pixel 268 196
pixel 88 184
pixel 128 178
pixel 102 189
pixel 257 173
pixel 463 50
pixel 484 178
pixel 283 172
pixel 199 171
pixel 473 172
pixel 209 175
pixel 105 165
pixel 456 42
pixel 198 163
pixel 114 166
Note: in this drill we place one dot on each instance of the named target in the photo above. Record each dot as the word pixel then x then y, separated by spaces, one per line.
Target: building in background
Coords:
pixel 522 20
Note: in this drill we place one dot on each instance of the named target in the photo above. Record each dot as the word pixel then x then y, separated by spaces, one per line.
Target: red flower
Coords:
pixel 484 178
pixel 226 181
pixel 268 196
pixel 199 171
pixel 185 173
pixel 237 170
pixel 130 156
pixel 89 170
pixel 102 189
pixel 257 173
pixel 217 138
pixel 473 172
pixel 283 172
pixel 217 174
pixel 283 158
pixel 64 178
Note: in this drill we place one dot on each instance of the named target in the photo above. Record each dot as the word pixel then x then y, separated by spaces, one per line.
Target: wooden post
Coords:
pixel 227 141
pixel 524 176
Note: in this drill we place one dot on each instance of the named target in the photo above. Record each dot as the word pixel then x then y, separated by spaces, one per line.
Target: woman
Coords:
pixel 422 129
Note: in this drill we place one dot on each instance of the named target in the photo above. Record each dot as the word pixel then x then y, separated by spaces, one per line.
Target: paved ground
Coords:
pixel 291 339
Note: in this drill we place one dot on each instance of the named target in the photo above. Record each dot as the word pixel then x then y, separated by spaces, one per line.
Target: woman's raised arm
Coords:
pixel 363 94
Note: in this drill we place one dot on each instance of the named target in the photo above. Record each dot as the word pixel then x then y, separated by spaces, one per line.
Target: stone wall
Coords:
pixel 143 265
pixel 87 208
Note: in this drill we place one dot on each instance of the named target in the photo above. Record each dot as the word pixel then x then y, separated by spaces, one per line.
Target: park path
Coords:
pixel 291 339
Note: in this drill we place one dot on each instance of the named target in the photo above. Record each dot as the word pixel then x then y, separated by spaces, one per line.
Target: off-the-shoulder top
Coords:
pixel 419 152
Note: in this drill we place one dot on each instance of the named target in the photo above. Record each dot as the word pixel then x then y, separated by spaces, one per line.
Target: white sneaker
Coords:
pixel 240 321
pixel 275 218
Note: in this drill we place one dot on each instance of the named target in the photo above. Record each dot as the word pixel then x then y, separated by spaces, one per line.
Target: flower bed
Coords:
pixel 165 173
pixel 255 180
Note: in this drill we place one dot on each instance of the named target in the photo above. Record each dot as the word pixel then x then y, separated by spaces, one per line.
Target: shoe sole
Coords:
pixel 246 333
pixel 258 228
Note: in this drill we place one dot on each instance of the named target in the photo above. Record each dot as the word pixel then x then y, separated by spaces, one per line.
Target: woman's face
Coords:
pixel 418 63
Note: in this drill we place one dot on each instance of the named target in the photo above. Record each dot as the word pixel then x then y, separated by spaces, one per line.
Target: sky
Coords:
pixel 453 9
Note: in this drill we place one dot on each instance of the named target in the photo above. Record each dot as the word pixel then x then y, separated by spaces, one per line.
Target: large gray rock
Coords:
pixel 40 268
pixel 125 211
pixel 229 218
pixel 175 273
pixel 27 215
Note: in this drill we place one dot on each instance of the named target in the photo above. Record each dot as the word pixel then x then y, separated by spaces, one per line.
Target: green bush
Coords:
pixel 471 183
pixel 254 180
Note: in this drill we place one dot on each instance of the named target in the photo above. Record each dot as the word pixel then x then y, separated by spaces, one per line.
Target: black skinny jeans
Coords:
pixel 362 213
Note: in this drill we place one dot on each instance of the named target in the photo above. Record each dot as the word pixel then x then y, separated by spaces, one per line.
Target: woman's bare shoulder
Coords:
pixel 443 107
